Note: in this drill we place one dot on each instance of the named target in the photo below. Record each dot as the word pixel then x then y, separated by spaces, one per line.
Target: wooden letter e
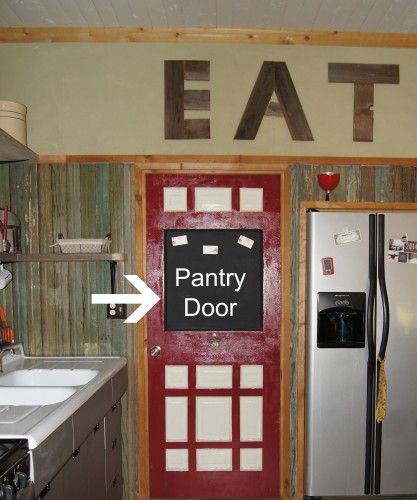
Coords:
pixel 177 100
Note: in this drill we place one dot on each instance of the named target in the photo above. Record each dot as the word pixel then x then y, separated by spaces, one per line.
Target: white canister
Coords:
pixel 5 277
pixel 13 120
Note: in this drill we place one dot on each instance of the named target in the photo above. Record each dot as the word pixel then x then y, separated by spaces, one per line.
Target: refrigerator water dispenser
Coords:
pixel 341 319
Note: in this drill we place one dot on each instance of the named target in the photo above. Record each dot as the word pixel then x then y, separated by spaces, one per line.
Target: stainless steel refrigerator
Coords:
pixel 361 338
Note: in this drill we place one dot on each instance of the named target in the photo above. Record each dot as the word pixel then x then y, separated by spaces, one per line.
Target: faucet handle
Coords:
pixel 6 351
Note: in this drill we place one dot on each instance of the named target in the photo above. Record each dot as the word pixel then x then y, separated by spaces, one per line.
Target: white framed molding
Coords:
pixel 213 418
pixel 175 199
pixel 176 460
pixel 176 419
pixel 214 377
pixel 251 199
pixel 251 459
pixel 213 199
pixel 251 376
pixel 251 418
pixel 176 377
pixel 214 459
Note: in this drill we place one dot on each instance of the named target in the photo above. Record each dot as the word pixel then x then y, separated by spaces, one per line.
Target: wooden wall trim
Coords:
pixel 240 162
pixel 142 343
pixel 285 352
pixel 198 35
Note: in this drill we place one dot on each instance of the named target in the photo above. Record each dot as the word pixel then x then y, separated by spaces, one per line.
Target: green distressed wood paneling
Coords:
pixel 49 304
pixel 358 183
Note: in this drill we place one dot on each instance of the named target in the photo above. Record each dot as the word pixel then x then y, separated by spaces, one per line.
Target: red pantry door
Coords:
pixel 214 258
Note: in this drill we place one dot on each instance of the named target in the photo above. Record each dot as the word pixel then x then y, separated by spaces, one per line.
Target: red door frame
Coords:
pixel 142 347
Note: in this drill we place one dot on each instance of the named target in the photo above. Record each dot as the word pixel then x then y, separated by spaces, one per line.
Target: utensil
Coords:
pixel 6 244
pixel 6 210
pixel 7 334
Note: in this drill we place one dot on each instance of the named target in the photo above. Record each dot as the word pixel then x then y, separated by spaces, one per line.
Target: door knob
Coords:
pixel 155 350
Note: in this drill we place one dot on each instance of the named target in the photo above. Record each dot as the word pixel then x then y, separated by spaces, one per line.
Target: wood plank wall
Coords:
pixel 49 304
pixel 358 183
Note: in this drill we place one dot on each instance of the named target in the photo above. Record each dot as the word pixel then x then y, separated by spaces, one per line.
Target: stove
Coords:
pixel 15 480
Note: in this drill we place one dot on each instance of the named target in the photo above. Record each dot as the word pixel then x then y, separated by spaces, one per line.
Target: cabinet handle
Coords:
pixel 45 491
pixel 76 452
pixel 96 427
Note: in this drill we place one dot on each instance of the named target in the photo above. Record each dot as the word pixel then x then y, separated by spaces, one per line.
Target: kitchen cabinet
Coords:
pixel 12 150
pixel 115 491
pixel 96 465
pixel 82 457
pixel 113 439
pixel 93 472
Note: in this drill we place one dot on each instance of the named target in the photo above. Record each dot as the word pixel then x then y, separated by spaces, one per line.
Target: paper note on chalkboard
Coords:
pixel 210 250
pixel 179 240
pixel 246 242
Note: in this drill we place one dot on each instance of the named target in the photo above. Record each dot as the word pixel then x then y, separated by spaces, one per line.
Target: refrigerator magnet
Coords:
pixel 327 267
pixel 347 237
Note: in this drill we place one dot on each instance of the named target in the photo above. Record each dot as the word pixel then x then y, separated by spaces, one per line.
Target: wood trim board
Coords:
pixel 232 162
pixel 205 35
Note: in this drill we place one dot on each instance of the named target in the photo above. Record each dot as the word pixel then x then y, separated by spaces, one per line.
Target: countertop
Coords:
pixel 36 423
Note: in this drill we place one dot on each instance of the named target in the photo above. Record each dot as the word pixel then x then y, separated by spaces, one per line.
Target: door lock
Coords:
pixel 155 350
pixel 214 340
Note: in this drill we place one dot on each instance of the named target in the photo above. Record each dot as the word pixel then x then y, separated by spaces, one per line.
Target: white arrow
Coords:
pixel 147 298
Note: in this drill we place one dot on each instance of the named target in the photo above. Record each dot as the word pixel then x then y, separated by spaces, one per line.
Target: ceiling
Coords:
pixel 366 16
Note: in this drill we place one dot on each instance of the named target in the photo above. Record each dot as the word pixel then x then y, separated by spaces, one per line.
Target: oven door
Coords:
pixel 28 493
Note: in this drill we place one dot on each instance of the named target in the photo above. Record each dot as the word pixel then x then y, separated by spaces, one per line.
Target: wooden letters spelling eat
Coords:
pixel 273 77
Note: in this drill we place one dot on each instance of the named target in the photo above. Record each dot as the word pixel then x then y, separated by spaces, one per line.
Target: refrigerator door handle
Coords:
pixel 370 333
pixel 382 285
pixel 381 384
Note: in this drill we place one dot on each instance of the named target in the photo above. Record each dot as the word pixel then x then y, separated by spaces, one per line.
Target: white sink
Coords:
pixel 47 378
pixel 34 396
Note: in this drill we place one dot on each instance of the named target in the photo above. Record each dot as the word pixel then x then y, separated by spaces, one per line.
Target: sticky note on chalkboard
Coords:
pixel 179 240
pixel 210 250
pixel 246 242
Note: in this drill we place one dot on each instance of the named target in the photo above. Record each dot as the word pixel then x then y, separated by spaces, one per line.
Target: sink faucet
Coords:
pixel 4 352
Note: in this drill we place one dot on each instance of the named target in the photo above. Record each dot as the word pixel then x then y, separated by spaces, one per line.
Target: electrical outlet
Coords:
pixel 116 311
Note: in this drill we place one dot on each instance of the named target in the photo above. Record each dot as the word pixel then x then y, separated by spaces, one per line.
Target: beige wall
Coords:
pixel 108 98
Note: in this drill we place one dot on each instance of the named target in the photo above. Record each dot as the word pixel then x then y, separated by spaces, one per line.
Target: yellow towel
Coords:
pixel 382 392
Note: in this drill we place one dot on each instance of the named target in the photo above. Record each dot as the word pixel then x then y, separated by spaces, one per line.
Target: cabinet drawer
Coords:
pixel 113 441
pixel 96 465
pixel 85 418
pixel 50 456
pixel 54 490
pixel 115 488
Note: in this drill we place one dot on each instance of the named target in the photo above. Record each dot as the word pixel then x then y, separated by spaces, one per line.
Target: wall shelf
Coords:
pixel 12 150
pixel 62 257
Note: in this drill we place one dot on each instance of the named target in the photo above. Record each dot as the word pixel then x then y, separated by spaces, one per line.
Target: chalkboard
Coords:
pixel 213 279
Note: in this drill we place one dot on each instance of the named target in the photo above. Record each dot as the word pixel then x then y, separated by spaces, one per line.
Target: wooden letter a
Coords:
pixel 274 76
